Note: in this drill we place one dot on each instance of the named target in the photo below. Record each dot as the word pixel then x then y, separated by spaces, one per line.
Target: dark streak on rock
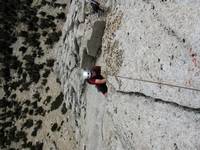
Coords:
pixel 157 100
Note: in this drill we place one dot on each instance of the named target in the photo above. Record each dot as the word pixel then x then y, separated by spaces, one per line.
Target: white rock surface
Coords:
pixel 154 42
pixel 159 40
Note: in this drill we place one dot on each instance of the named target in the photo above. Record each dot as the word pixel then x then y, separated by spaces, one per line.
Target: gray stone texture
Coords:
pixel 154 99
pixel 94 43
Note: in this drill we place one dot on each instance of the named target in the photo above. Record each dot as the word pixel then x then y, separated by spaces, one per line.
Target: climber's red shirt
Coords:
pixel 92 80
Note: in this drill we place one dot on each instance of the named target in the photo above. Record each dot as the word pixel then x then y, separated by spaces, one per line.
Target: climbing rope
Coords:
pixel 160 83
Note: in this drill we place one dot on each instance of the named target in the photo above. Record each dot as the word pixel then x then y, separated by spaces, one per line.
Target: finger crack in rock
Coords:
pixel 158 100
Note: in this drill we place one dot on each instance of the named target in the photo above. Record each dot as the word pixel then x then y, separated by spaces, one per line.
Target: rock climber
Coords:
pixel 95 6
pixel 93 76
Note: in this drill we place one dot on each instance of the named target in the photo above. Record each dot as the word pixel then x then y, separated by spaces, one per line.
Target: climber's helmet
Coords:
pixel 87 74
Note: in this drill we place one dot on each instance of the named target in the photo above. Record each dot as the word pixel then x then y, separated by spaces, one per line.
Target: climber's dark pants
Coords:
pixel 102 88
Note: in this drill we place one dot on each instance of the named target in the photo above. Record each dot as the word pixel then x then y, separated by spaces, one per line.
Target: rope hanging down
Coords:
pixel 161 83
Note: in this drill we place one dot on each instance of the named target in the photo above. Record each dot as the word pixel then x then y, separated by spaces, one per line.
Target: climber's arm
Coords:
pixel 100 81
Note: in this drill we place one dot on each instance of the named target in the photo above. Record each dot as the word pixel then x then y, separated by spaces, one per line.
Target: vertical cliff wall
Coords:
pixel 149 54
pixel 150 57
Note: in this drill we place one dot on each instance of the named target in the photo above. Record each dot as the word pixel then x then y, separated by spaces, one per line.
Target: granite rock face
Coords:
pixel 150 56
pixel 78 48
pixel 169 66
pixel 95 40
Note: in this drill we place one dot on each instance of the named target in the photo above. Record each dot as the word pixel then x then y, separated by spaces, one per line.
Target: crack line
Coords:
pixel 158 100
